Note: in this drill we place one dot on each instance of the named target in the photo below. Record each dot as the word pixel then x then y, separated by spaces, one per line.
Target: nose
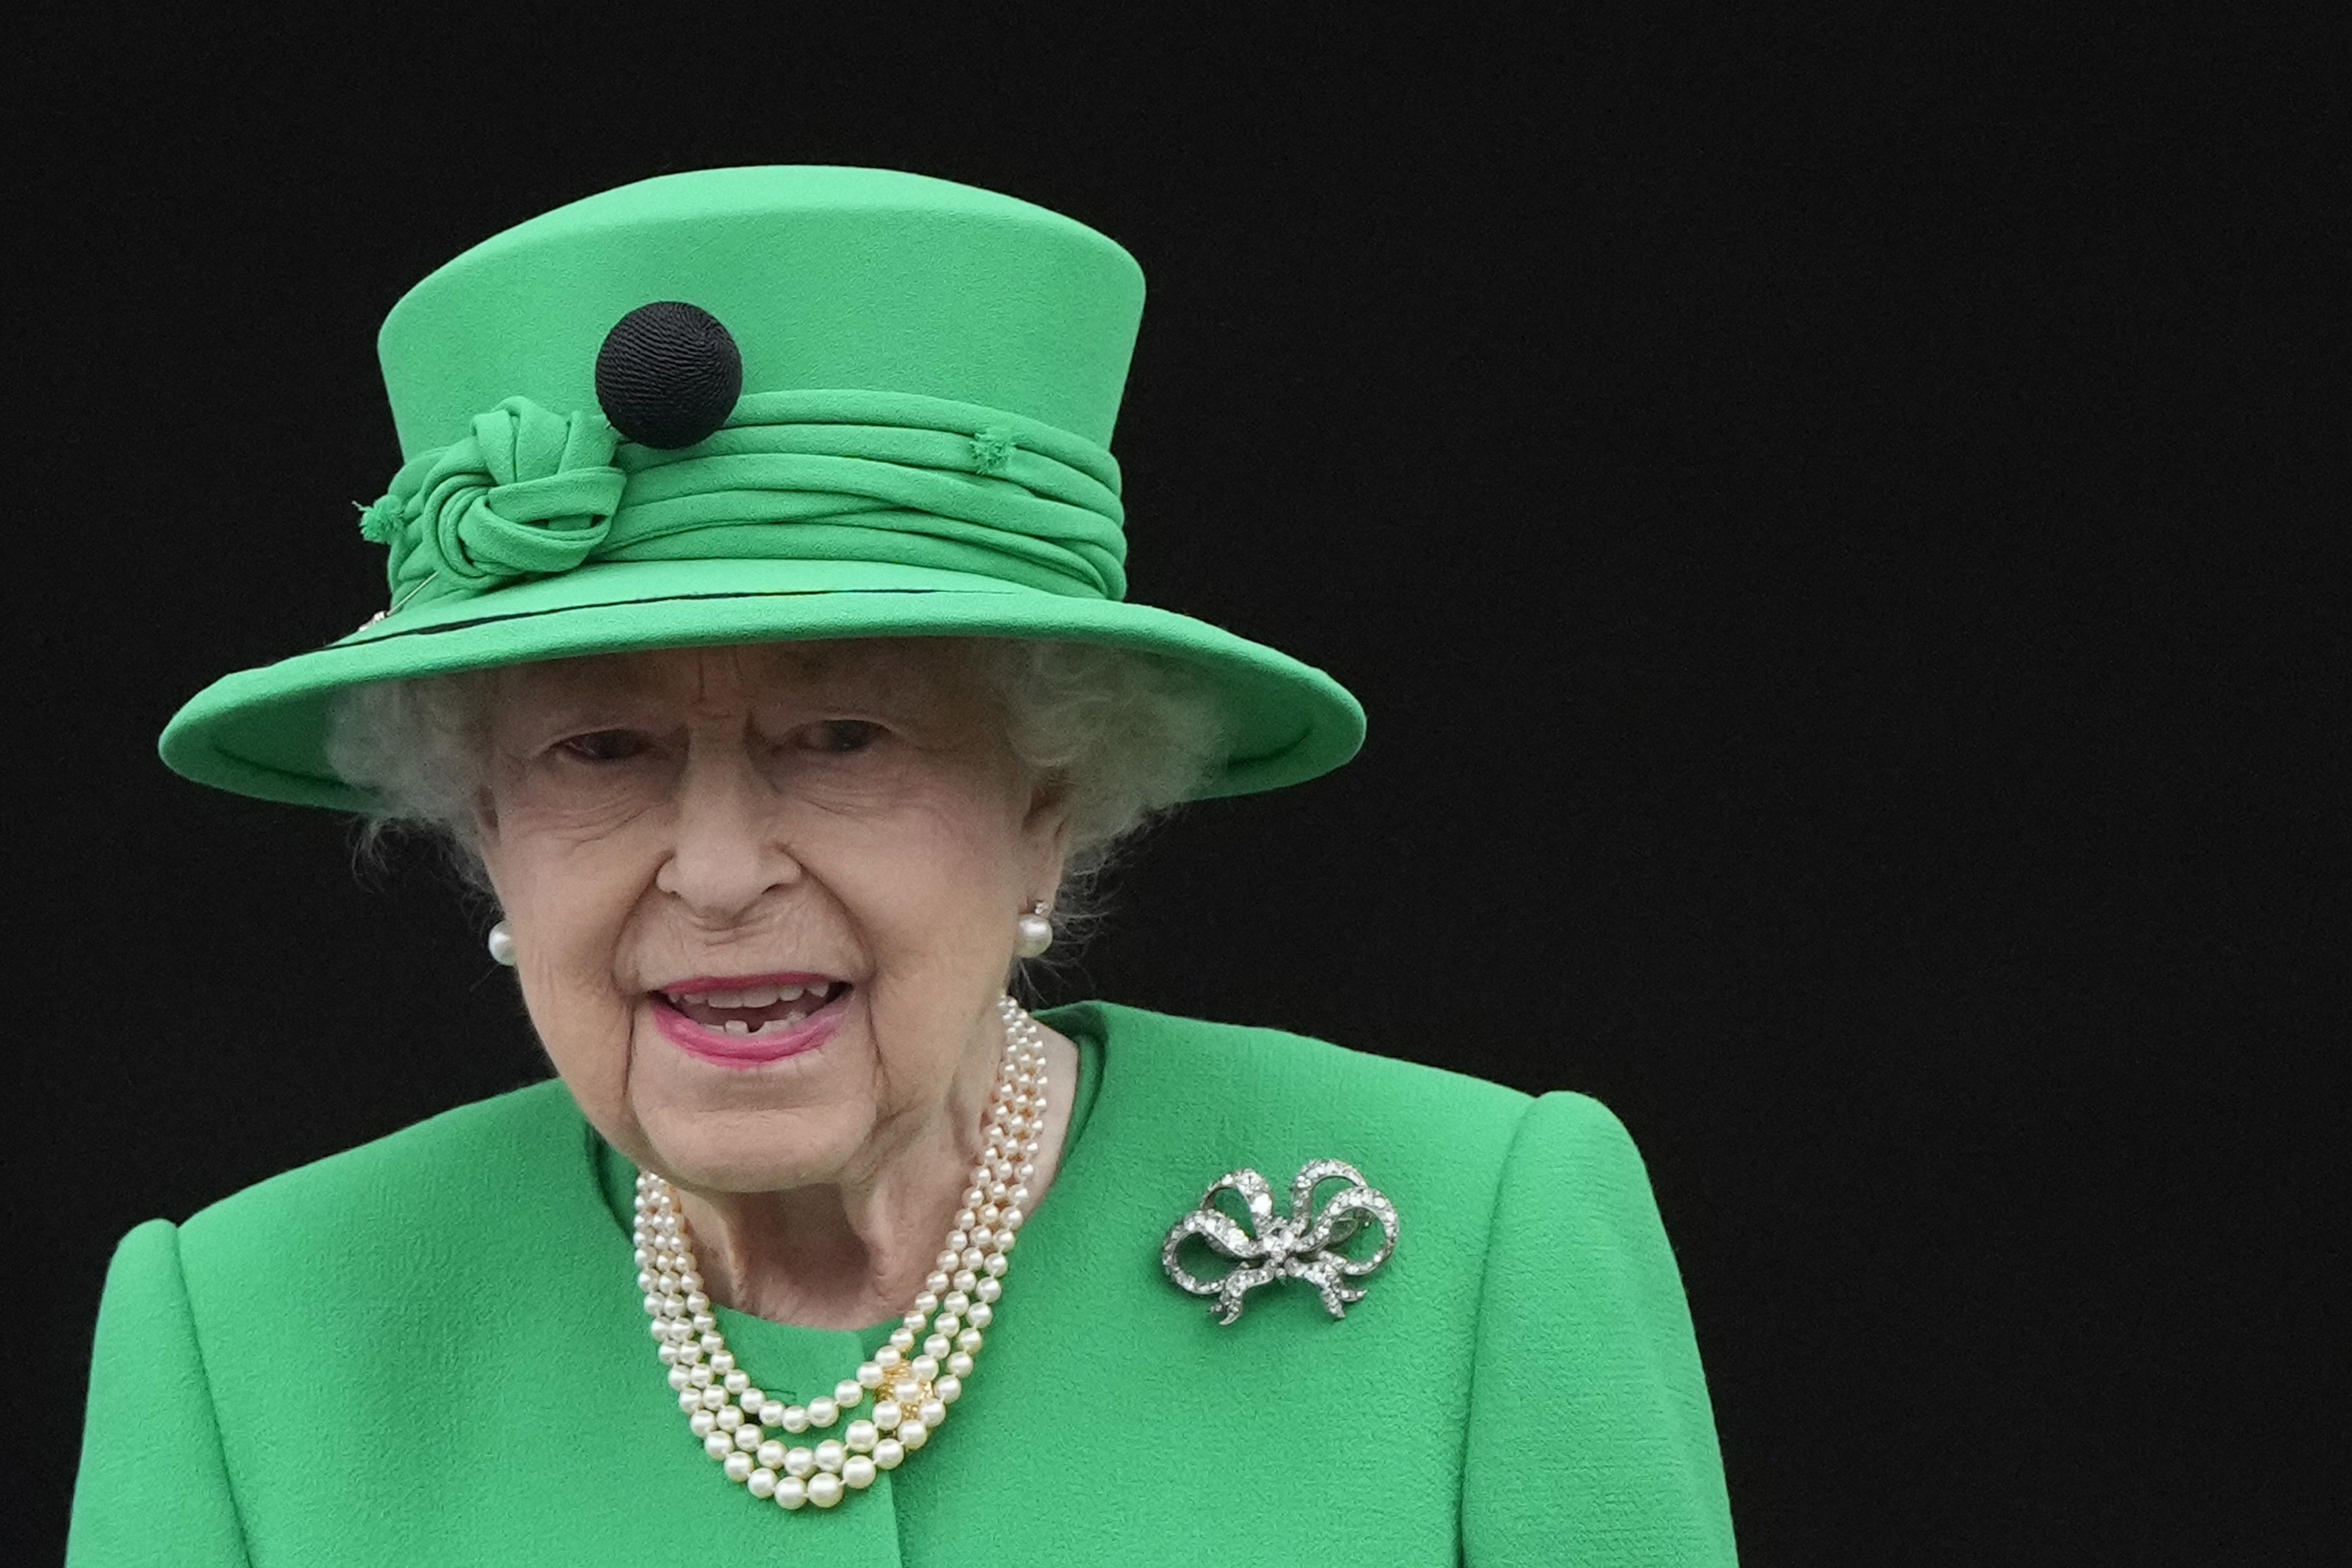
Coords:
pixel 727 850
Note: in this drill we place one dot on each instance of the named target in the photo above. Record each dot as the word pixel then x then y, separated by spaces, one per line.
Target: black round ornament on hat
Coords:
pixel 668 374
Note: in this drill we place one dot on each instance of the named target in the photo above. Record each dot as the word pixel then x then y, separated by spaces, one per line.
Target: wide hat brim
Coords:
pixel 263 731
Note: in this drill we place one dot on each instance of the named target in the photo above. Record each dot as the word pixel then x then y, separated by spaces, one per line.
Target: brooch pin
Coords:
pixel 1274 1247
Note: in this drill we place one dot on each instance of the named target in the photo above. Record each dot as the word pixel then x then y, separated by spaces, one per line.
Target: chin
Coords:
pixel 747 1152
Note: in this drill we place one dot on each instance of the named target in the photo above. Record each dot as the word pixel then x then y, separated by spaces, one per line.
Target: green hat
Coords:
pixel 755 405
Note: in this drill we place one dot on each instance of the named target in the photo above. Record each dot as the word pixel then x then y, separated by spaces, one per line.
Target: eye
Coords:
pixel 839 737
pixel 602 745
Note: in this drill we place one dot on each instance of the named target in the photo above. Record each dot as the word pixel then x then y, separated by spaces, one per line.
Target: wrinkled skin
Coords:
pixel 848 809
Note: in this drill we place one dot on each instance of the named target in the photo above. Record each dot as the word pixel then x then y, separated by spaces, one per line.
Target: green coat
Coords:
pixel 432 1350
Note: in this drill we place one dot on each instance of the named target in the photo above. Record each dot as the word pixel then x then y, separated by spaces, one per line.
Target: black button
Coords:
pixel 668 374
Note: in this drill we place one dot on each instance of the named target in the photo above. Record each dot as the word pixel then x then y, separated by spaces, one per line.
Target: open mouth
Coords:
pixel 754 1010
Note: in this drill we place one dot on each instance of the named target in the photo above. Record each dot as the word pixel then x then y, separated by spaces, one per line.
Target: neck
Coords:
pixel 847 1255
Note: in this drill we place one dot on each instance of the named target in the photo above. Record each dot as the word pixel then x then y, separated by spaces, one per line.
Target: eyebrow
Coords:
pixel 618 686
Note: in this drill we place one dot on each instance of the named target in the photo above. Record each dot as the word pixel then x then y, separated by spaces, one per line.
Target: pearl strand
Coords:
pixel 911 1387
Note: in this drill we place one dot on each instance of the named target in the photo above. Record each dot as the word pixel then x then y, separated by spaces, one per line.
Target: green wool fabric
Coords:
pixel 431 1349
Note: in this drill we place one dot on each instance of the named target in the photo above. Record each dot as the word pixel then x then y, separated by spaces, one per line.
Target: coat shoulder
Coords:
pixel 462 1163
pixel 1256 1088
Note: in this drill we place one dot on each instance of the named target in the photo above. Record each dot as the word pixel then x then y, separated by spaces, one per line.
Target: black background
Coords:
pixel 1827 518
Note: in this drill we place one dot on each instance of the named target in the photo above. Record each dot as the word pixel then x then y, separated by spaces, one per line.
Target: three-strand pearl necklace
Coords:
pixel 912 1379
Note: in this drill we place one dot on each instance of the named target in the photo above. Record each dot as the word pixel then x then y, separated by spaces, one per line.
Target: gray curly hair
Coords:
pixel 1127 735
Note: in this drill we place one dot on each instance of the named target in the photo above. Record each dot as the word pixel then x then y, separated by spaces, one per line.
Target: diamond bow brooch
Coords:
pixel 1275 1247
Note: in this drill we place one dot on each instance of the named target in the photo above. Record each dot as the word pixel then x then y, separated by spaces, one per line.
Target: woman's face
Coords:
pixel 681 839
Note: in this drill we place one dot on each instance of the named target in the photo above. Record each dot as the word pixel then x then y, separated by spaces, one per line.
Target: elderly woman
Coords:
pixel 757 631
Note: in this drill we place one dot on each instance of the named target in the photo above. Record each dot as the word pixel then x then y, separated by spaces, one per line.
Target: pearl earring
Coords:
pixel 1036 930
pixel 502 944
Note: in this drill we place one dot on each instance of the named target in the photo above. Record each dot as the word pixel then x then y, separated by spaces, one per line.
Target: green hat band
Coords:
pixel 809 475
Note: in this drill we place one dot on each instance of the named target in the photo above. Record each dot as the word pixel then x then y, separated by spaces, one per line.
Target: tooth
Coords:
pixel 794 1016
pixel 787 992
pixel 758 996
pixel 723 998
pixel 738 1026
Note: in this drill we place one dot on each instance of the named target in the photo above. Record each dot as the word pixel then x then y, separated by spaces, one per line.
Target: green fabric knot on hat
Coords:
pixel 993 450
pixel 529 493
pixel 382 519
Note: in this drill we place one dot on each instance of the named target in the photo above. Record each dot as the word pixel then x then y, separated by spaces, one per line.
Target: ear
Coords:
pixel 486 818
pixel 1048 828
pixel 487 844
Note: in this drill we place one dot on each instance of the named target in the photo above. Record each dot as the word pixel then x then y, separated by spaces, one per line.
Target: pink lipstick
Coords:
pixel 748 1020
